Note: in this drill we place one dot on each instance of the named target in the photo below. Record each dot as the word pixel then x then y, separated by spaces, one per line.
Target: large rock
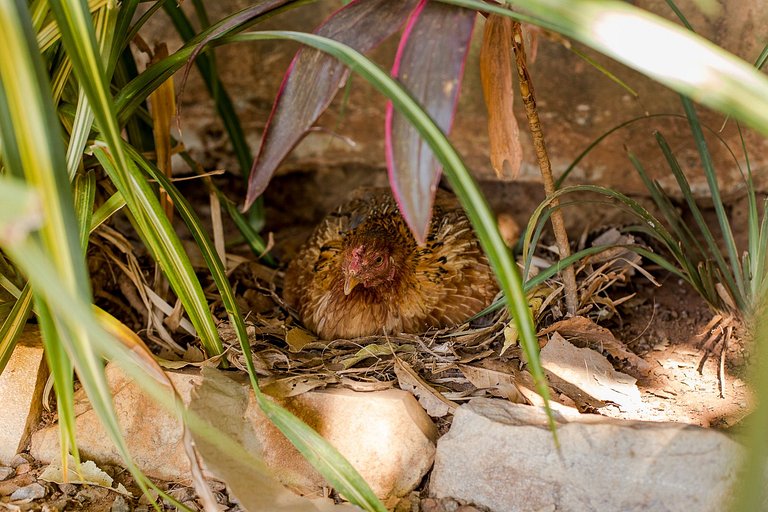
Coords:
pixel 501 455
pixel 385 435
pixel 21 391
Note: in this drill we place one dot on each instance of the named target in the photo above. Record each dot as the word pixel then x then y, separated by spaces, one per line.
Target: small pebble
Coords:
pixel 68 489
pixel 149 497
pixel 20 458
pixel 23 468
pixel 33 491
pixel 5 472
pixel 120 505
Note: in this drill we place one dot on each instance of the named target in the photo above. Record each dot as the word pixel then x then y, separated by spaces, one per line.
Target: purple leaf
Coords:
pixel 314 78
pixel 430 64
pixel 238 20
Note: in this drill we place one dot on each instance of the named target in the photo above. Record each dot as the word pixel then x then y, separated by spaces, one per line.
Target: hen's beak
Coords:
pixel 350 282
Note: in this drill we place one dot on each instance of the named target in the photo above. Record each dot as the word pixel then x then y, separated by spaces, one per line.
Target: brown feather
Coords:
pixel 440 284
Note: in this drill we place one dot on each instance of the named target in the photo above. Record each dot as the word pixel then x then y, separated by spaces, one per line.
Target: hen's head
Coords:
pixel 367 262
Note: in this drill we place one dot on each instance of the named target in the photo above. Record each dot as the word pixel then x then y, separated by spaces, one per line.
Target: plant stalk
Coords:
pixel 558 225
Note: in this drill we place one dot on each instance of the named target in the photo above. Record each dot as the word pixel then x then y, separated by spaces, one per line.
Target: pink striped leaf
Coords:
pixel 314 78
pixel 430 64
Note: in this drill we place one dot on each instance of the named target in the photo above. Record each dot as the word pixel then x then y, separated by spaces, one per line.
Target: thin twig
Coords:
pixel 721 372
pixel 558 225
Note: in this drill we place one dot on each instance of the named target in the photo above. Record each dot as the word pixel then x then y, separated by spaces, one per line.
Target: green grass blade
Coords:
pixel 84 196
pixel 756 245
pixel 680 229
pixel 714 250
pixel 252 238
pixel 760 61
pixel 13 325
pixel 160 238
pixel 714 190
pixel 204 243
pixel 605 71
pixel 61 368
pixel 121 32
pixel 106 210
pixel 77 34
pixel 760 258
pixel 679 14
pixel 104 21
pixel 50 34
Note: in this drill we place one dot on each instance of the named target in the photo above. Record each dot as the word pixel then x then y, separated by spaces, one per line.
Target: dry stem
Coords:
pixel 558 225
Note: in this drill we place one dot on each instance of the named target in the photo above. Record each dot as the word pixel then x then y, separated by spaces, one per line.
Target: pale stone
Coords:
pixel 152 435
pixel 501 455
pixel 21 391
pixel 33 491
pixel 385 435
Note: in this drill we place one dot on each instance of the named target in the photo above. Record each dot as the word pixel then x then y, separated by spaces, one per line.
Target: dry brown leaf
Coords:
pixel 583 332
pixel 87 473
pixel 297 339
pixel 430 399
pixel 590 372
pixel 496 73
pixel 292 386
pixel 366 387
pixel 500 383
pixel 162 103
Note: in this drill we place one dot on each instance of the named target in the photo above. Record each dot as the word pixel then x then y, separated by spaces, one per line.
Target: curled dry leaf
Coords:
pixel 87 473
pixel 430 399
pixel 496 75
pixel 297 339
pixel 583 332
pixel 590 375
pixel 292 386
pixel 500 383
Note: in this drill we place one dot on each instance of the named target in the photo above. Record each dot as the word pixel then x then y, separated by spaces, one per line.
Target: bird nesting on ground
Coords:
pixel 362 273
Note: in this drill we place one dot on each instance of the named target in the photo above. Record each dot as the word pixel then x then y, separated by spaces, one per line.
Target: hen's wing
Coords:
pixel 451 269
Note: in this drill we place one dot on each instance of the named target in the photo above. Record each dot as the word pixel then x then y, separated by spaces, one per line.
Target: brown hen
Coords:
pixel 362 273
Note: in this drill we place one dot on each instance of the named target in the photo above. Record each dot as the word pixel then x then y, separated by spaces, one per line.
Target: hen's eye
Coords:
pixel 379 260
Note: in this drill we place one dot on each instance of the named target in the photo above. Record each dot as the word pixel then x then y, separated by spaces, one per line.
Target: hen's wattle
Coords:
pixel 362 273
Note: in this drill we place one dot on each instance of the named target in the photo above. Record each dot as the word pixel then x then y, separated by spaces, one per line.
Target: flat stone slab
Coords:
pixel 501 455
pixel 21 391
pixel 386 435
